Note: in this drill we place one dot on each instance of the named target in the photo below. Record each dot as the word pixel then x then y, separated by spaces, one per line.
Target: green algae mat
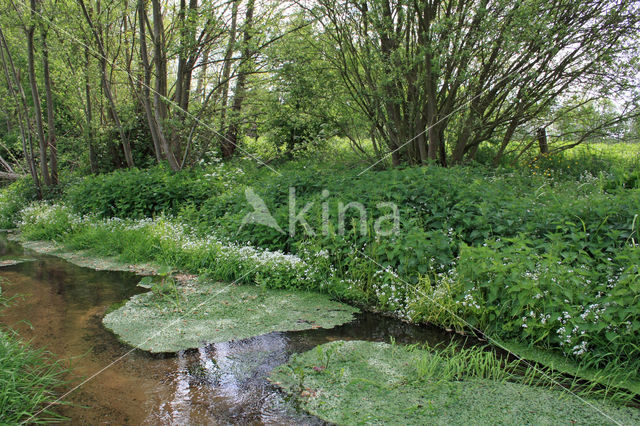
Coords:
pixel 84 258
pixel 12 262
pixel 204 312
pixel 359 382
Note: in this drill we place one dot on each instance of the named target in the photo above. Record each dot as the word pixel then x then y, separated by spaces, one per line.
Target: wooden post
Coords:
pixel 542 140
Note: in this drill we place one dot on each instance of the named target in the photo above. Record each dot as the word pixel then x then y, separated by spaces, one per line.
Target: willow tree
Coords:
pixel 437 78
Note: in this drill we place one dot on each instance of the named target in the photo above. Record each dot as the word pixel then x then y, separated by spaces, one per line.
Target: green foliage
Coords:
pixel 476 246
pixel 140 193
pixel 582 307
pixel 304 105
pixel 12 199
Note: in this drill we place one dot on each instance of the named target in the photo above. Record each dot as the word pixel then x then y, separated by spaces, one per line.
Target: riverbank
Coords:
pixel 351 370
pixel 540 260
pixel 183 311
pixel 218 382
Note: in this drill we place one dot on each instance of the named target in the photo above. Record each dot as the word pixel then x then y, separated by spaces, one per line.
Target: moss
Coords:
pixel 378 383
pixel 209 312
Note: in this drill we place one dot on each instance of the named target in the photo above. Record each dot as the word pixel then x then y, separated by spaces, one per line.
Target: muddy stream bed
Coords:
pixel 59 306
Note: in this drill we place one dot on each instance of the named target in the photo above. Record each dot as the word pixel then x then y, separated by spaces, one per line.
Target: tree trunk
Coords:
pixel 126 147
pixel 10 176
pixel 434 142
pixel 35 95
pixel 160 98
pixel 202 77
pixel 463 138
pixel 186 62
pixel 441 147
pixel 21 107
pixel 185 57
pixel 145 91
pixel 51 123
pixel 422 142
pixel 542 140
pixel 226 71
pixel 93 163
pixel 229 145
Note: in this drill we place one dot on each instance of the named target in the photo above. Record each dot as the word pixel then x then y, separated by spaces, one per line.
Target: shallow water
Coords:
pixel 59 306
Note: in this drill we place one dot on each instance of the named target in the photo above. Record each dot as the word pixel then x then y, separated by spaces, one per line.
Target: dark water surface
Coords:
pixel 59 306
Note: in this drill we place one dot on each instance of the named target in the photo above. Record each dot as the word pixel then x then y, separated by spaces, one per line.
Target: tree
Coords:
pixel 106 84
pixel 51 122
pixel 16 91
pixel 35 93
pixel 304 101
pixel 230 142
pixel 438 78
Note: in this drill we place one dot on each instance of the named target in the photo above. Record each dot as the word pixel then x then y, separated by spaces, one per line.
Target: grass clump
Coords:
pixel 28 381
pixel 378 383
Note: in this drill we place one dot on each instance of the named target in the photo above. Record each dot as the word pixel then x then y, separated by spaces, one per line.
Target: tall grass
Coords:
pixel 28 379
pixel 455 363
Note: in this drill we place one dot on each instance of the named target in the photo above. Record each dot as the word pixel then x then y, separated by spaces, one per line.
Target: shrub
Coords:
pixel 12 199
pixel 138 193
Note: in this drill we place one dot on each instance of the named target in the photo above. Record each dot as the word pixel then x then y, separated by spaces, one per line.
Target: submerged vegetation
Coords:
pixel 358 382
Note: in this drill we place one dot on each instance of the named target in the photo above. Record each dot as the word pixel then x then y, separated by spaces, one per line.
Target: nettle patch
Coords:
pixel 546 295
pixel 174 317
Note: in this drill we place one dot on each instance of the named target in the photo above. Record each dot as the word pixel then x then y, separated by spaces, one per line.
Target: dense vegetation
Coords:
pixel 545 255
pixel 429 160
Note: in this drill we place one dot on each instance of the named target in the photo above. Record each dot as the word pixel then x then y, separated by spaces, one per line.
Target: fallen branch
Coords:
pixel 11 176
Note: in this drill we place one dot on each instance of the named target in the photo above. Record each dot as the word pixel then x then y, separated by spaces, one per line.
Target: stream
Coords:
pixel 59 306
